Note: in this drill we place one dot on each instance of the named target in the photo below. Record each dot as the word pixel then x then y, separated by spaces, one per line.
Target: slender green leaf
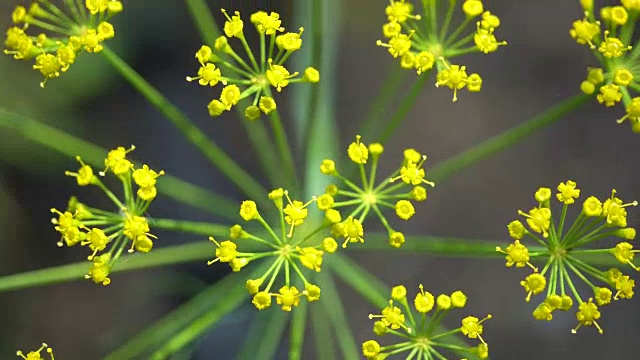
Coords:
pixel 508 138
pixel 71 146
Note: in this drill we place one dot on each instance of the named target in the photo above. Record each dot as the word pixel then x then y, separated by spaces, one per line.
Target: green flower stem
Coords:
pixel 508 138
pixel 215 154
pixel 296 333
pixel 265 335
pixel 434 245
pixel 323 337
pixel 72 272
pixel 447 21
pixel 193 227
pixel 71 146
pixel 206 25
pixel 327 18
pixel 338 317
pixel 388 91
pixel 234 294
pixel 165 328
pixel 286 153
pixel 365 284
pixel 407 103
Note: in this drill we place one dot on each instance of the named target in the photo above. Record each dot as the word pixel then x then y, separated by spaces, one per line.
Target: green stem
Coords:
pixel 199 251
pixel 286 153
pixel 338 317
pixel 193 227
pixel 214 153
pixel 508 138
pixel 407 103
pixel 298 326
pixel 92 154
pixel 388 91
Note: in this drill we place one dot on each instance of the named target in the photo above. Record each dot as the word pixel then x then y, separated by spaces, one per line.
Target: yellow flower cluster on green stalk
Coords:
pixel 422 336
pixel 251 75
pixel 97 228
pixel 420 41
pixel 612 43
pixel 395 191
pixel 65 33
pixel 35 355
pixel 287 250
pixel 562 251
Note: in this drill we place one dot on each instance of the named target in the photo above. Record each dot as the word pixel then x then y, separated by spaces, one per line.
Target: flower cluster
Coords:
pixel 252 76
pixel 80 28
pixel 419 42
pixel 562 252
pixel 423 337
pixel 287 250
pixel 97 228
pixel 610 39
pixel 371 196
pixel 35 355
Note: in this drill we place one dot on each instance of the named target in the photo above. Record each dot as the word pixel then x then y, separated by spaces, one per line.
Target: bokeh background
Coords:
pixel 540 67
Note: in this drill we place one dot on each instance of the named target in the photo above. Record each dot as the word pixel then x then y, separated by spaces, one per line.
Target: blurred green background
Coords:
pixel 540 67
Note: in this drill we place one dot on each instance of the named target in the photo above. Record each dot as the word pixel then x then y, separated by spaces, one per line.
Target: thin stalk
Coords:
pixel 407 103
pixel 193 227
pixel 296 333
pixel 387 91
pixel 215 154
pixel 508 138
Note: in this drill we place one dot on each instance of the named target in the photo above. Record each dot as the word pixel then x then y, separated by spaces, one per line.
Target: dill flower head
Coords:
pixel 421 42
pixel 287 250
pixel 610 38
pixel 422 337
pixel 65 32
pixel 125 226
pixel 350 204
pixel 562 248
pixel 35 355
pixel 244 74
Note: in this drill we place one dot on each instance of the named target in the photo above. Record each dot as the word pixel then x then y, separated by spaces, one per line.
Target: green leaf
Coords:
pixel 71 146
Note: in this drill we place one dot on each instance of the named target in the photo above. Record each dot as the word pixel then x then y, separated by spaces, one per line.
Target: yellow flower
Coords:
pixel 424 301
pixel 370 349
pixel 35 355
pixel 253 76
pixel 567 192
